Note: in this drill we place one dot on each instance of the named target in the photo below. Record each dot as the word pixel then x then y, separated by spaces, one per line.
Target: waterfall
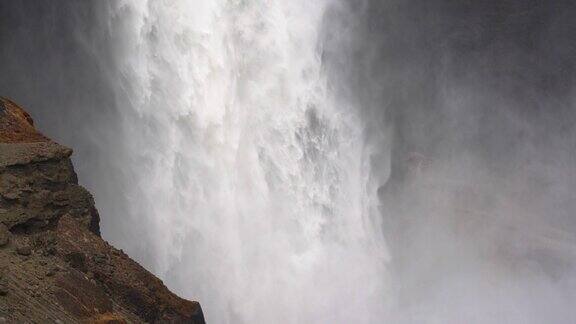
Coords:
pixel 235 148
pixel 248 177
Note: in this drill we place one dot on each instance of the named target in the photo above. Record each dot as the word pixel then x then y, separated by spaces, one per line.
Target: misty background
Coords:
pixel 469 109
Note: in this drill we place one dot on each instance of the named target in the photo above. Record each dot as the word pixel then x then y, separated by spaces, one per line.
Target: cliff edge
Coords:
pixel 54 266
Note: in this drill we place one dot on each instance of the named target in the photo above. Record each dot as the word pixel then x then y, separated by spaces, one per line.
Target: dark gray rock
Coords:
pixel 3 288
pixel 4 235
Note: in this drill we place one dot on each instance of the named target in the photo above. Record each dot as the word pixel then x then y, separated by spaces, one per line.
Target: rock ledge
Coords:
pixel 54 266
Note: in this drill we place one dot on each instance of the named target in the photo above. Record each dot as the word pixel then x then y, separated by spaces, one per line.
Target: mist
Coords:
pixel 359 161
pixel 478 207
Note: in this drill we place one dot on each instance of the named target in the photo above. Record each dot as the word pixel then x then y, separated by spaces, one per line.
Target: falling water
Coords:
pixel 234 148
pixel 249 177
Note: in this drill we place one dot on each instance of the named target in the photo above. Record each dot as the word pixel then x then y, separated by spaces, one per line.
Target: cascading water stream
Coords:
pixel 235 148
pixel 251 179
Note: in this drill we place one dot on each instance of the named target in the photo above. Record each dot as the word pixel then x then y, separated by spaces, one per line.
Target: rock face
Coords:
pixel 54 266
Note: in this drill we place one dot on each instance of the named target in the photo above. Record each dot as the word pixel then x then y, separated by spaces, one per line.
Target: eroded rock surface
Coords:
pixel 54 266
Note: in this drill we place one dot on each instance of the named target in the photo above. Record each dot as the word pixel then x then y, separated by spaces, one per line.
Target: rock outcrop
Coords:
pixel 54 266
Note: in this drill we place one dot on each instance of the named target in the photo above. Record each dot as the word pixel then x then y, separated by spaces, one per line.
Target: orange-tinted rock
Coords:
pixel 108 319
pixel 16 125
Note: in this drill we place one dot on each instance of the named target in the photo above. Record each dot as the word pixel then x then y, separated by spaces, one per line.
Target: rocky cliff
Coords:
pixel 54 266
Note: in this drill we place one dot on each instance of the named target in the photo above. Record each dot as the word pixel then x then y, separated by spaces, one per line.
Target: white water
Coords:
pixel 251 181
